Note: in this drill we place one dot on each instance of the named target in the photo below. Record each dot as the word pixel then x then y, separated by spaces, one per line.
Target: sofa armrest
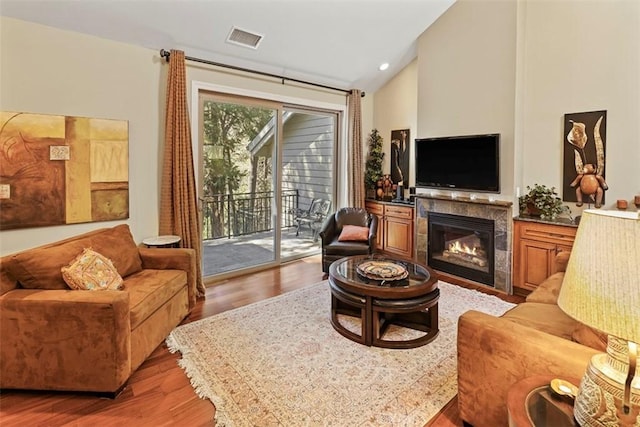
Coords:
pixel 173 259
pixel 495 353
pixel 561 260
pixel 65 340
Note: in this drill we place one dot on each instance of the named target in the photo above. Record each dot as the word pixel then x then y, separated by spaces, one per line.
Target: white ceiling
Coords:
pixel 338 43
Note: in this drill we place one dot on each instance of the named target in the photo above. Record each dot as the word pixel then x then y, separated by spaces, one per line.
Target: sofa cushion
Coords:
pixel 150 289
pixel 40 268
pixel 590 337
pixel 543 317
pixel 92 271
pixel 547 292
pixel 118 245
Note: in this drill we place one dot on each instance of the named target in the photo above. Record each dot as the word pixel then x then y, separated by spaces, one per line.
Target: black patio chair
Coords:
pixel 313 217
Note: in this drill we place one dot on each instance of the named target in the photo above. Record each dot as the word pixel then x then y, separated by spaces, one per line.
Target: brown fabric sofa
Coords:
pixel 55 338
pixel 534 338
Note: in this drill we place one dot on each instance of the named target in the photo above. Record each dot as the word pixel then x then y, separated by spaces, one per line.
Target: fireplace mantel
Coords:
pixel 497 210
pixel 465 199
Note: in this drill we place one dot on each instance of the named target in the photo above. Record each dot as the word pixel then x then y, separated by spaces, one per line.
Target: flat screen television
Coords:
pixel 469 162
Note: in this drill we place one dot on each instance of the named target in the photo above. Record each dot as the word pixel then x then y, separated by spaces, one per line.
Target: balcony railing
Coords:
pixel 232 215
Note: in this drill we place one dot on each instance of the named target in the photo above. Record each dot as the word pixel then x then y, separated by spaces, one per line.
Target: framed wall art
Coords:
pixel 585 158
pixel 400 141
pixel 57 170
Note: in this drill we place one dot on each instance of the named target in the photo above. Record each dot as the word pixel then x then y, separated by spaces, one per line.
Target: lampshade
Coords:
pixel 601 287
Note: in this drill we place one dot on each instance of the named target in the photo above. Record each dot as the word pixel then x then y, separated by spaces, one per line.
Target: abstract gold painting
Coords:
pixel 57 170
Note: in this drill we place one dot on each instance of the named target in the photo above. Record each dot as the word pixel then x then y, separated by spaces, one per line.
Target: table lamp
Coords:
pixel 601 289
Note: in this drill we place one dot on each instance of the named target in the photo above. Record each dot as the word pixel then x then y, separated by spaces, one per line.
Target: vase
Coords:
pixel 532 210
pixel 371 193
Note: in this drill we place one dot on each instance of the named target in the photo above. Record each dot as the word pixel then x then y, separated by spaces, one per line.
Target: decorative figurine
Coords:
pixel 591 184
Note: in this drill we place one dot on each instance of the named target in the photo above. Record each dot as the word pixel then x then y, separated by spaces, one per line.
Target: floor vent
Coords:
pixel 244 38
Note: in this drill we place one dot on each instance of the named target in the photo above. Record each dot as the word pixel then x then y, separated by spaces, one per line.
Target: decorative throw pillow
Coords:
pixel 354 233
pixel 92 271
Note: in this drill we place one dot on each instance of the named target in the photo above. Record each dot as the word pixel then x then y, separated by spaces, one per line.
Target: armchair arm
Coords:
pixel 296 212
pixel 373 231
pixel 495 353
pixel 174 259
pixel 328 230
pixel 65 340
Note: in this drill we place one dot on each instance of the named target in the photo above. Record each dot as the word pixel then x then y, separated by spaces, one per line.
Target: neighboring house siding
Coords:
pixel 308 157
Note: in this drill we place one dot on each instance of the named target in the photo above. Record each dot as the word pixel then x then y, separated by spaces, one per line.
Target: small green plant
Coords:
pixel 373 170
pixel 543 201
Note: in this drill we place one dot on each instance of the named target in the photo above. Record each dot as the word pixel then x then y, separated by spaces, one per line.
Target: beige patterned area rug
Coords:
pixel 280 362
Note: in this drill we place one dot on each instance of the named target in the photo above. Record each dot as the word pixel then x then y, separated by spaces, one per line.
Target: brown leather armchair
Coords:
pixel 332 249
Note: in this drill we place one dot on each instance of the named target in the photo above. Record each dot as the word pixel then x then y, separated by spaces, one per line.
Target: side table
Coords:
pixel 168 241
pixel 531 403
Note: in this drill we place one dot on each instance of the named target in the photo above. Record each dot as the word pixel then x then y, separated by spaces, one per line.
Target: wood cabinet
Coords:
pixel 535 246
pixel 395 227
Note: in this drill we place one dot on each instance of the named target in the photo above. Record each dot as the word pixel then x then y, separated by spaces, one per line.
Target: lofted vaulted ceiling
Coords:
pixel 338 43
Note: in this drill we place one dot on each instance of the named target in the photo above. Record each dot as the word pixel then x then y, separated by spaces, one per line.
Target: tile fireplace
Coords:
pixel 491 222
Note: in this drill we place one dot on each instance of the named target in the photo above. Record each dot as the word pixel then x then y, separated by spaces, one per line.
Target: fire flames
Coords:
pixel 461 248
pixel 460 251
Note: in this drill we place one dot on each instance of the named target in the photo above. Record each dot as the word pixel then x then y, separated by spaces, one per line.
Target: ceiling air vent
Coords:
pixel 244 38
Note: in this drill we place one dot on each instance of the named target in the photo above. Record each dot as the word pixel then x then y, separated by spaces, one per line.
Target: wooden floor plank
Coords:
pixel 159 393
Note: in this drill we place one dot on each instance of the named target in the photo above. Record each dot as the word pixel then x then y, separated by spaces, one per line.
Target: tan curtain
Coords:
pixel 178 199
pixel 357 193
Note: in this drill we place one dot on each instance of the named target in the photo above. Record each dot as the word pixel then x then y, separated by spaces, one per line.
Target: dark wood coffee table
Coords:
pixel 411 302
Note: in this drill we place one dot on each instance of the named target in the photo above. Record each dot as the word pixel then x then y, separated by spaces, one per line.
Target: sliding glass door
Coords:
pixel 308 171
pixel 237 185
pixel 266 174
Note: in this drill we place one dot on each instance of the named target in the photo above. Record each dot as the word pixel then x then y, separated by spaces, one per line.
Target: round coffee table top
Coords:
pixel 419 281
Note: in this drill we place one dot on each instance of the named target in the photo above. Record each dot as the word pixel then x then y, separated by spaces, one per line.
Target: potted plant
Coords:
pixel 542 201
pixel 373 169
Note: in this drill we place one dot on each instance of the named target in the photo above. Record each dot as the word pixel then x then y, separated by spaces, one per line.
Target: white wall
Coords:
pixel 517 68
pixel 49 71
pixel 581 56
pixel 466 77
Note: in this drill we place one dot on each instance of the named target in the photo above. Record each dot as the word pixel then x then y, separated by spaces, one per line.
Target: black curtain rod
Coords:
pixel 166 54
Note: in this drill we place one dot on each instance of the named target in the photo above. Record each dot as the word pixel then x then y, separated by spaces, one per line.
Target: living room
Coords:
pixel 490 78
pixel 514 68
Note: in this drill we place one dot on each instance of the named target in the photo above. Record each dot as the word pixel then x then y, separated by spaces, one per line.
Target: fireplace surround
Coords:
pixel 497 211
pixel 462 246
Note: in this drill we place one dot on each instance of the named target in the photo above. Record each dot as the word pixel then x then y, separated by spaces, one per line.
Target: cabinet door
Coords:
pixel 398 236
pixel 536 262
pixel 535 247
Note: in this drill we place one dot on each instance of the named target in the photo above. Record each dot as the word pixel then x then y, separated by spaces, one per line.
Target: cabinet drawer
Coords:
pixel 374 208
pixel 548 233
pixel 399 212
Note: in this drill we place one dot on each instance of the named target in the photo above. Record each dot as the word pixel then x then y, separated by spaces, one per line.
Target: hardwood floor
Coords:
pixel 159 393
